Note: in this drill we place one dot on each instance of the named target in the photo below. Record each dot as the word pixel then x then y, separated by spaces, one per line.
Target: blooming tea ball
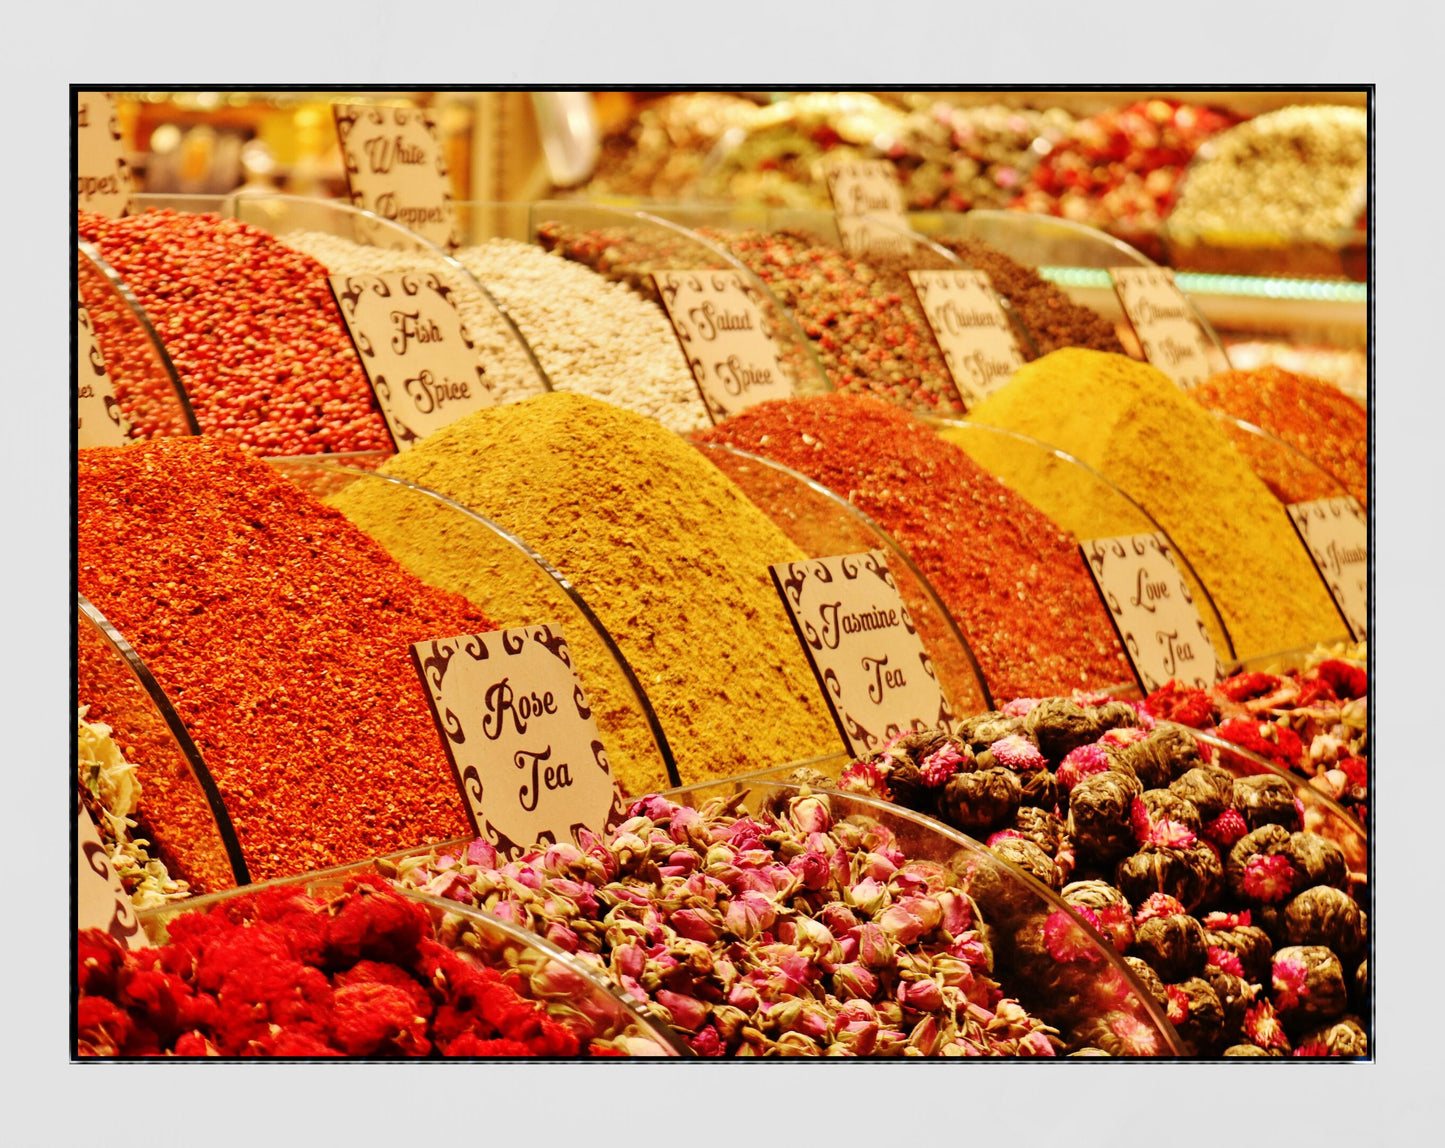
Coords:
pixel 981 801
pixel 1346 1037
pixel 1324 915
pixel 1058 725
pixel 1099 814
pixel 1173 946
pixel 1197 1015
pixel 1308 985
pixel 1208 789
pixel 1265 799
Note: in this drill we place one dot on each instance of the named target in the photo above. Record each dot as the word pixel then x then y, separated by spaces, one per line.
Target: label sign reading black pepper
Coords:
pixel 720 327
pixel 868 206
pixel 416 351
pixel 101 901
pixel 1165 322
pixel 99 421
pixel 395 168
pixel 871 665
pixel 104 181
pixel 1335 532
pixel 1152 610
pixel 972 330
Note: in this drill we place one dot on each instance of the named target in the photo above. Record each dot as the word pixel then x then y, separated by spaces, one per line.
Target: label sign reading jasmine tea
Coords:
pixel 871 665
pixel 104 181
pixel 518 730
pixel 868 206
pixel 416 351
pixel 1165 322
pixel 972 330
pixel 1335 532
pixel 395 168
pixel 1152 610
pixel 719 324
pixel 98 418
pixel 101 901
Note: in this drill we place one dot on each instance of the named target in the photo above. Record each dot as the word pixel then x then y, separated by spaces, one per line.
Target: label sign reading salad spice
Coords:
pixel 858 636
pixel 1335 532
pixel 868 205
pixel 1152 610
pixel 98 416
pixel 395 168
pixel 972 330
pixel 416 351
pixel 1165 322
pixel 104 181
pixel 519 733
pixel 101 901
pixel 720 326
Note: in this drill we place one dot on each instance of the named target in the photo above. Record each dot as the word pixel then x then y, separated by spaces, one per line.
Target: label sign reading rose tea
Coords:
pixel 395 168
pixel 98 418
pixel 104 181
pixel 101 901
pixel 519 733
pixel 857 634
pixel 1335 532
pixel 868 205
pixel 972 330
pixel 1152 610
pixel 1165 322
pixel 719 324
pixel 416 351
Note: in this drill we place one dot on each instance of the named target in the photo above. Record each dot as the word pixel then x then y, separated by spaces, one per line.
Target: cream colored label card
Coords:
pixel 104 181
pixel 972 330
pixel 101 902
pixel 98 418
pixel 1165 322
pixel 395 168
pixel 1336 533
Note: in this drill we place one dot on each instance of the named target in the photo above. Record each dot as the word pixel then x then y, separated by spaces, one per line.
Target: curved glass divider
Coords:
pixel 1290 473
pixel 181 812
pixel 822 523
pixel 451 547
pixel 147 386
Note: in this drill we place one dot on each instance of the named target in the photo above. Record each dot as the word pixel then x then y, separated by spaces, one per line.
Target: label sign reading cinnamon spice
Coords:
pixel 395 168
pixel 1165 322
pixel 720 326
pixel 868 205
pixel 416 351
pixel 871 665
pixel 104 181
pixel 1152 610
pixel 101 901
pixel 1335 532
pixel 518 730
pixel 972 330
pixel 99 421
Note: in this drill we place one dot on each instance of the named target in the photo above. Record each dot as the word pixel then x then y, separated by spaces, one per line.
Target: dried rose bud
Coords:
pixel 810 814
pixel 686 1012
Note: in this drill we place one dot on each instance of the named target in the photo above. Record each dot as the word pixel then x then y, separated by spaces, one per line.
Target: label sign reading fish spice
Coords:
pixel 720 327
pixel 868 206
pixel 1152 610
pixel 1165 322
pixel 101 901
pixel 104 181
pixel 416 351
pixel 98 420
pixel 871 665
pixel 396 169
pixel 972 330
pixel 518 730
pixel 1335 532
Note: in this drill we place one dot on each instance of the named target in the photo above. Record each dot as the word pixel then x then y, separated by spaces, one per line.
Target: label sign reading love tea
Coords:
pixel 518 730
pixel 1335 532
pixel 416 351
pixel 871 664
pixel 101 901
pixel 868 206
pixel 98 418
pixel 719 324
pixel 1165 322
pixel 395 168
pixel 972 330
pixel 1152 610
pixel 104 181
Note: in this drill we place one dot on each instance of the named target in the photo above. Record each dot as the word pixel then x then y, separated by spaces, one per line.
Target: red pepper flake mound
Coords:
pixel 251 327
pixel 1012 579
pixel 280 633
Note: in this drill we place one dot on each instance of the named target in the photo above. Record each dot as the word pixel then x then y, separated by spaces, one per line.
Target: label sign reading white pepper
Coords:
pixel 101 901
pixel 1165 322
pixel 395 168
pixel 98 418
pixel 1152 610
pixel 518 730
pixel 871 665
pixel 1335 532
pixel 104 181
pixel 720 326
pixel 868 205
pixel 972 330
pixel 416 351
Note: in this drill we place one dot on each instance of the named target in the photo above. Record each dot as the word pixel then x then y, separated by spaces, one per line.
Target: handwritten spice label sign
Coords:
pixel 1335 532
pixel 1152 610
pixel 101 901
pixel 518 730
pixel 861 642
pixel 866 201
pixel 98 420
pixel 972 330
pixel 395 168
pixel 416 351
pixel 719 323
pixel 104 181
pixel 1165 322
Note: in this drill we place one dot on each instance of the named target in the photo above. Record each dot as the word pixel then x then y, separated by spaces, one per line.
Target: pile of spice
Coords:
pixel 1243 925
pixel 280 633
pixel 252 329
pixel 668 553
pixel 1012 579
pixel 1127 420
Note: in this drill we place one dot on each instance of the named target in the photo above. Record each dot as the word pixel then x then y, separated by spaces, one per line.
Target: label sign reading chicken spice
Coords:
pixel 518 730
pixel 395 168
pixel 1335 532
pixel 104 181
pixel 99 421
pixel 972 330
pixel 101 901
pixel 1152 610
pixel 719 324
pixel 868 206
pixel 1165 322
pixel 870 663
pixel 416 351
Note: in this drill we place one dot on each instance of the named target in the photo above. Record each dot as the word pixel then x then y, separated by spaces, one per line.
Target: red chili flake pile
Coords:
pixel 251 327
pixel 280 632
pixel 1012 579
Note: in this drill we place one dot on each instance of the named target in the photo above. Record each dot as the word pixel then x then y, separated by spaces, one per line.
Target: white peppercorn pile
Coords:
pixel 592 336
